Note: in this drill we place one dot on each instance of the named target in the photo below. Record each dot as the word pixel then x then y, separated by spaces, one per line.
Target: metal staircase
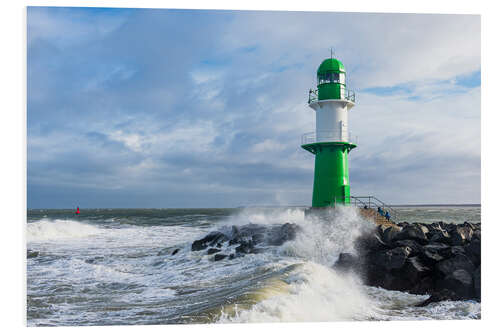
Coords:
pixel 369 206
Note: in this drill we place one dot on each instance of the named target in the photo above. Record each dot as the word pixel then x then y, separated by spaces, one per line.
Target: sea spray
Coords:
pixel 136 267
pixel 325 236
pixel 47 229
pixel 316 292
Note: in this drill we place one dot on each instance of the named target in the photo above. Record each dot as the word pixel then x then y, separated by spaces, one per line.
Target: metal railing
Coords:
pixel 348 95
pixel 329 136
pixel 373 202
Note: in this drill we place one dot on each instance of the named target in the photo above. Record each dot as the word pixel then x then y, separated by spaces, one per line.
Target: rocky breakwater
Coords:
pixel 440 259
pixel 236 241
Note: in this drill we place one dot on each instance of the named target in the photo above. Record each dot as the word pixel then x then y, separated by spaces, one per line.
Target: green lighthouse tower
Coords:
pixel 331 142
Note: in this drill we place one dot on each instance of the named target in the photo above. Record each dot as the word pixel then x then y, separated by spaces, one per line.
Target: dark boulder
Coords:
pixel 477 283
pixel 448 266
pixel 391 259
pixel 439 248
pixel 245 247
pixel 461 235
pixel 424 286
pixel 369 242
pixel 211 239
pixel 410 277
pixel 212 251
pixel 403 224
pixel 438 258
pixel 389 234
pixel 460 282
pixel 437 226
pixel 473 251
pixel 469 225
pixel 433 253
pixel 439 236
pixel 346 262
pixel 439 296
pixel 425 228
pixel 32 254
pixel 279 235
pixel 219 257
pixel 412 232
pixel 415 248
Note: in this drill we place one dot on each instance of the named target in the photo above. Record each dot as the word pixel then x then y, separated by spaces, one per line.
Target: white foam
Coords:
pixel 266 216
pixel 316 293
pixel 46 230
pixel 323 239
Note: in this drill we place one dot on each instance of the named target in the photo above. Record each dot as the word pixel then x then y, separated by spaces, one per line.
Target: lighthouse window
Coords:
pixel 329 77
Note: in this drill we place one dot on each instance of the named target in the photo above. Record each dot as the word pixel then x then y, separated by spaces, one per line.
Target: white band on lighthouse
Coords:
pixel 331 121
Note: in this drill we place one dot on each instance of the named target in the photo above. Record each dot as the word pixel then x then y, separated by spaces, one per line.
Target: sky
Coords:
pixel 158 108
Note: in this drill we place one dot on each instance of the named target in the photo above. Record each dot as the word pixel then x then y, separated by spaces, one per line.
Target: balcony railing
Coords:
pixel 329 136
pixel 348 95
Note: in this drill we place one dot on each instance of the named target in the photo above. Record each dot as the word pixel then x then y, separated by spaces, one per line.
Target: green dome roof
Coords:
pixel 331 64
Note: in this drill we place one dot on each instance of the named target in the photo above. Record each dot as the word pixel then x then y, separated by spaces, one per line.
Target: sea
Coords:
pixel 117 267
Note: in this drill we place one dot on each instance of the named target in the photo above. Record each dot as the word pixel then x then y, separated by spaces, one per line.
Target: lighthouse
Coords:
pixel 331 142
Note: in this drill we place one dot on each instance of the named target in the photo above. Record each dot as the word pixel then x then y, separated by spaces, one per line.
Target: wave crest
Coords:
pixel 58 229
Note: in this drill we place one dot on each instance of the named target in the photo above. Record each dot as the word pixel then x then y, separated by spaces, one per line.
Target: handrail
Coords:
pixel 328 136
pixel 349 95
pixel 374 202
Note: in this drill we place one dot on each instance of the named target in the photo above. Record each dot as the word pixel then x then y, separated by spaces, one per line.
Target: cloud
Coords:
pixel 181 108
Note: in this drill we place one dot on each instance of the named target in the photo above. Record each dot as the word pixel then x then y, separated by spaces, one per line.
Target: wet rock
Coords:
pixel 32 254
pixel 175 252
pixel 439 248
pixel 389 235
pixel 473 251
pixel 209 240
pixel 415 248
pixel 448 266
pixel 423 228
pixel 438 225
pixel 391 259
pixel 439 236
pixel 245 247
pixel 422 259
pixel 432 254
pixel 477 283
pixel 219 257
pixel 370 242
pixel 439 296
pixel 346 262
pixel 412 232
pixel 247 237
pixel 423 286
pixel 460 282
pixel 286 232
pixel 409 277
pixel 403 224
pixel 460 235
pixel 234 256
pixel 469 225
pixel 212 251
